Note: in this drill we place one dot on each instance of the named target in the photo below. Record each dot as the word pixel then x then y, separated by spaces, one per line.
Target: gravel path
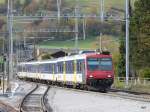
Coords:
pixel 70 101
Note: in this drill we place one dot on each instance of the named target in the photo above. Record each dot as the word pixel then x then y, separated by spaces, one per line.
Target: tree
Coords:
pixel 140 35
pixel 1 23
pixel 121 63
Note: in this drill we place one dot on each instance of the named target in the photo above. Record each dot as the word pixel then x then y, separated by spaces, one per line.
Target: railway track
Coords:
pixel 34 100
pixel 137 96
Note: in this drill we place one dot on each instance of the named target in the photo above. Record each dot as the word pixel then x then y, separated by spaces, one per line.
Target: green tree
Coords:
pixel 121 63
pixel 140 35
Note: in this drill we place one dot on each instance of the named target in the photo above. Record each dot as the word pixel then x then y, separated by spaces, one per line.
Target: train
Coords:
pixel 87 71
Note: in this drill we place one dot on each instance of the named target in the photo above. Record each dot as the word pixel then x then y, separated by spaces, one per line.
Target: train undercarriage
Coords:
pixel 102 85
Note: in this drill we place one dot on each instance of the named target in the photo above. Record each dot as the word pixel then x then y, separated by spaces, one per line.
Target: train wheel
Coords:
pixel 74 86
pixel 81 87
pixel 104 90
pixel 87 88
pixel 78 86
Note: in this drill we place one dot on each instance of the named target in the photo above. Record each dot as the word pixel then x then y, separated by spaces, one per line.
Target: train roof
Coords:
pixel 38 62
pixel 67 58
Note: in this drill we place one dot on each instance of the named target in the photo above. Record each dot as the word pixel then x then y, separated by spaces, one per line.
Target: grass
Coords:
pixel 108 3
pixel 108 42
pixel 68 44
pixel 2 1
pixel 92 7
pixel 139 87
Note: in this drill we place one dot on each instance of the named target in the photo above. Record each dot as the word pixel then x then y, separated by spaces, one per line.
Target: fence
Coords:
pixel 121 82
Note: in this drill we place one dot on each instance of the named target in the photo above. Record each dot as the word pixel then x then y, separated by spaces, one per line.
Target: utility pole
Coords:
pixel 84 28
pixel 24 41
pixel 100 42
pixel 102 10
pixel 102 19
pixel 58 9
pixel 127 42
pixel 4 63
pixel 76 26
pixel 34 45
pixel 10 26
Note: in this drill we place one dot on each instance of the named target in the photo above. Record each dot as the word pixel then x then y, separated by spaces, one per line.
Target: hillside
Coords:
pixel 95 3
pixel 93 26
pixel 89 43
pixel 2 1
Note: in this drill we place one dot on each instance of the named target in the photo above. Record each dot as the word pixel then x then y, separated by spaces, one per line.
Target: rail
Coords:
pixel 35 101
pixel 43 103
pixel 20 107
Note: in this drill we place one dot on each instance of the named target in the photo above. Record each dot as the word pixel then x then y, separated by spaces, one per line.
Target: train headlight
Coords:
pixel 91 76
pixel 109 76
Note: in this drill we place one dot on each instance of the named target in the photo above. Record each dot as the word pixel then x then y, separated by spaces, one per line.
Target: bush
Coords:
pixel 145 73
pixel 46 56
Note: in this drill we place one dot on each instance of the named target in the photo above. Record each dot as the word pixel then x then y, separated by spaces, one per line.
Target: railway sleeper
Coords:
pixel 31 108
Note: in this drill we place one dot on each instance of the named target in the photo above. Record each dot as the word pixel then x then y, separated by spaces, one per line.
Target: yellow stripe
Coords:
pixel 64 72
pixel 53 71
pixel 75 73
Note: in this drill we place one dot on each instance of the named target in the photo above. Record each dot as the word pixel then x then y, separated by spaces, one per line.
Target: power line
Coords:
pixel 31 18
pixel 44 31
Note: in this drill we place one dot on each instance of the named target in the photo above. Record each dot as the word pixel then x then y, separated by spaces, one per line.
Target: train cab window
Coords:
pixel 106 64
pixel 93 64
pixel 99 64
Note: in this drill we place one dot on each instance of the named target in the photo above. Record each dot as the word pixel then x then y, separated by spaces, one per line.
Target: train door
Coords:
pixel 64 72
pixel 75 71
pixel 56 71
pixel 37 71
pixel 25 72
pixel 83 71
pixel 53 71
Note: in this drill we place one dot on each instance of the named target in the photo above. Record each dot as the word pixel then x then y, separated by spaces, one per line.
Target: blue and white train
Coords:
pixel 83 70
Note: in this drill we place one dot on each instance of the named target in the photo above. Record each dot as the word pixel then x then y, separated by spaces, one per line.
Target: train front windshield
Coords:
pixel 104 64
